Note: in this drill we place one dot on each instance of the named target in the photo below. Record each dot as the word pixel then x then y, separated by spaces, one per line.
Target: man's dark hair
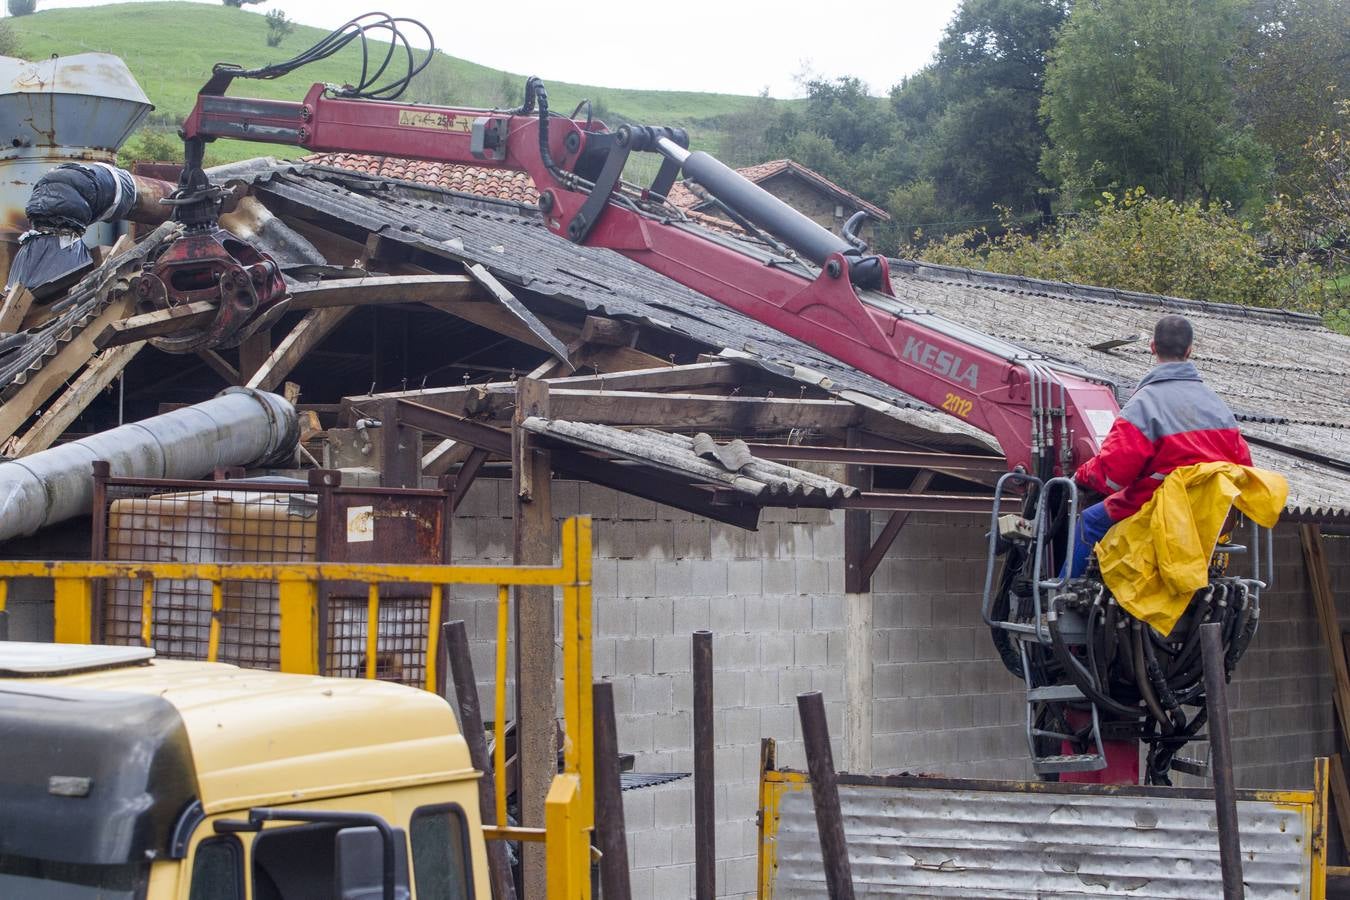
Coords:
pixel 1172 337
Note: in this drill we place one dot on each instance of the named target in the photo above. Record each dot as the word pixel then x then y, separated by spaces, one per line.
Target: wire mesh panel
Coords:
pixel 270 522
pixel 215 525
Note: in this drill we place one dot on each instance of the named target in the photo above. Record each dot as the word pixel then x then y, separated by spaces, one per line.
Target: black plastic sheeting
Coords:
pixel 65 202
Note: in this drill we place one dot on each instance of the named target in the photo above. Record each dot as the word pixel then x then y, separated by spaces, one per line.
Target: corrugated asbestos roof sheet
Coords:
pixel 698 459
pixel 1284 375
pixel 513 243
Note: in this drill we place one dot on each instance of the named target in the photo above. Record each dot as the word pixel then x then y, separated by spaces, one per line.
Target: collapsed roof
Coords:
pixel 495 264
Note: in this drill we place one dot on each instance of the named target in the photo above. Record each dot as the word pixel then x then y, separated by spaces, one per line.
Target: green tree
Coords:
pixel 278 27
pixel 1314 224
pixel 239 4
pixel 1142 89
pixel 21 7
pixel 845 134
pixel 986 144
pixel 746 131
pixel 1156 245
pixel 1290 73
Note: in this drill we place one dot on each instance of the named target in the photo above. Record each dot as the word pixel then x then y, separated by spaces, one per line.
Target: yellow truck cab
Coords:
pixel 131 778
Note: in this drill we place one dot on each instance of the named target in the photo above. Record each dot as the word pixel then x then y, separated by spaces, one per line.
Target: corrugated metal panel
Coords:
pixel 938 842
pixel 636 781
pixel 676 453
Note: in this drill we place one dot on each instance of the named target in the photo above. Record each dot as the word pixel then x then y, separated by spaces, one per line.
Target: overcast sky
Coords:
pixel 699 45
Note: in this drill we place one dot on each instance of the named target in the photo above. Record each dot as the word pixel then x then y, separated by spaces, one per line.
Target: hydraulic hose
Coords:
pixel 1141 679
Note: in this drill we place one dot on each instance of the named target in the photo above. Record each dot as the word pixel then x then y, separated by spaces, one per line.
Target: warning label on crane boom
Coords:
pixel 421 118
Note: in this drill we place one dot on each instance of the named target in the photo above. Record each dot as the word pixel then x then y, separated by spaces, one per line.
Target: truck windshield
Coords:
pixel 41 879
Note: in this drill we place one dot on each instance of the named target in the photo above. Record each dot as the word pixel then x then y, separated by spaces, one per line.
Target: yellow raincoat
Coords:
pixel 1155 560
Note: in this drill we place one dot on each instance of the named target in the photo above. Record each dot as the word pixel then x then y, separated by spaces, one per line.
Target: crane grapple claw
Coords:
pixel 243 283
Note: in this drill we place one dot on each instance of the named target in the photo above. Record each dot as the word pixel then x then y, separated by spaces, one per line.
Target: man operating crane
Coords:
pixel 1174 419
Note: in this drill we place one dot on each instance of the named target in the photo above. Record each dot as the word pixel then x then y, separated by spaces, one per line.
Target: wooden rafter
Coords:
pixel 316 325
pixel 100 372
pixel 340 292
pixel 57 370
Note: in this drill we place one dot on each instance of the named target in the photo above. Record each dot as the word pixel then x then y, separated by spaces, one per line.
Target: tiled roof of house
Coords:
pixel 499 184
pixel 684 198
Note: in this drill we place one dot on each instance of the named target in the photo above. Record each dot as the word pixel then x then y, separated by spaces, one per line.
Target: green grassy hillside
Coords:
pixel 170 48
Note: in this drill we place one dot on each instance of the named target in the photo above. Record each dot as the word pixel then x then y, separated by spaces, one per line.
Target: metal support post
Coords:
pixel 825 795
pixel 705 805
pixel 611 834
pixel 1221 750
pixel 471 724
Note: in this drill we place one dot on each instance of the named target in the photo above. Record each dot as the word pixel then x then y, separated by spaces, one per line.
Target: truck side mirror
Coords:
pixel 359 852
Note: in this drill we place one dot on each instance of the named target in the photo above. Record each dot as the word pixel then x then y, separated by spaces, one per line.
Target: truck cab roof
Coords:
pixel 232 738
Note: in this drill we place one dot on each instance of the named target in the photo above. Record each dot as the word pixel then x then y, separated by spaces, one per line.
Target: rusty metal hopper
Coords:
pixel 63 109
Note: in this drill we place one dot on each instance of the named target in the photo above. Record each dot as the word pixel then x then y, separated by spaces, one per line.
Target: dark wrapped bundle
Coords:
pixel 64 203
pixel 44 259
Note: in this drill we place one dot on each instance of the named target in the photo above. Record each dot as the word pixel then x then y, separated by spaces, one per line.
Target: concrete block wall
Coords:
pixel 1280 696
pixel 774 602
pixel 943 702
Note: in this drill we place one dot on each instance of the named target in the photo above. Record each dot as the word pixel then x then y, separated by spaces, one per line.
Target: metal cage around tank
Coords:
pixel 267 521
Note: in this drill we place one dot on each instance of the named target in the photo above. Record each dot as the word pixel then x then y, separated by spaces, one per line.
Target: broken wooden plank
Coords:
pixel 512 304
pixel 668 377
pixel 57 370
pixel 625 408
pixel 604 332
pixel 338 292
pixel 100 372
pixel 316 325
pixel 15 306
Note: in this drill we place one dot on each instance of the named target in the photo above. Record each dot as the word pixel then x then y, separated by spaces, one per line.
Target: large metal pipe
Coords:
pixel 240 427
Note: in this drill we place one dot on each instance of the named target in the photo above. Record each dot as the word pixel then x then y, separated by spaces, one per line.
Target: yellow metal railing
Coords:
pixel 570 805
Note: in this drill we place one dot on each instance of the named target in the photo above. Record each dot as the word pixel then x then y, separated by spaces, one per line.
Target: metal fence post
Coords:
pixel 611 833
pixel 705 804
pixel 825 794
pixel 1221 748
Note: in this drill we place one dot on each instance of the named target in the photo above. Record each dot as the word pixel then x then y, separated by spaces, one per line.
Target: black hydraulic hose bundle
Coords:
pixel 1145 685
pixel 368 86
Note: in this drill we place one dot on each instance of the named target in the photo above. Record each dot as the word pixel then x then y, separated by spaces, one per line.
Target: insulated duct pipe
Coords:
pixel 762 209
pixel 240 427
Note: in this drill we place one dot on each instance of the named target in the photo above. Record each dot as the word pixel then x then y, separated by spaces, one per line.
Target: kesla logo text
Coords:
pixel 942 362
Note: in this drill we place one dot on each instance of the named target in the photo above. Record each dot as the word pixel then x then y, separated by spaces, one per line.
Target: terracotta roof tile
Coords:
pixel 500 184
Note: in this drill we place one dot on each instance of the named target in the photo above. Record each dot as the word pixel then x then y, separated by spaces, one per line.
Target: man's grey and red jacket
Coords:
pixel 1173 420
